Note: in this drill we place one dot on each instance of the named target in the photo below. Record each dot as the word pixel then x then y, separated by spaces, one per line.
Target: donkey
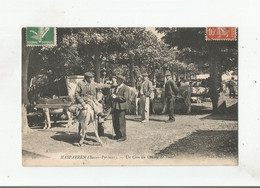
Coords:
pixel 86 117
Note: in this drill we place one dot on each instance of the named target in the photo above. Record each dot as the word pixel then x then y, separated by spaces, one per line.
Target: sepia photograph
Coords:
pixel 129 96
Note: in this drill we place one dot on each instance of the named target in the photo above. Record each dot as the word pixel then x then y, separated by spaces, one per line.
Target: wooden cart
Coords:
pixel 58 105
pixel 55 109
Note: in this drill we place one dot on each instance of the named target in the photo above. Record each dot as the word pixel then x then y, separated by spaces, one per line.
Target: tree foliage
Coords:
pixel 193 48
pixel 216 57
pixel 130 51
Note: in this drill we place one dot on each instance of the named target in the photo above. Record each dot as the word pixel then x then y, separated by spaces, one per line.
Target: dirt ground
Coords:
pixel 196 139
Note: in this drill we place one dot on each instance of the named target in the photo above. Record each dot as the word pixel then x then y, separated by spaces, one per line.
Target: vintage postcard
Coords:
pixel 129 96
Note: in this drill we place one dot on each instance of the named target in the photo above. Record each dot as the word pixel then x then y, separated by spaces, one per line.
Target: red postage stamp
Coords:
pixel 221 33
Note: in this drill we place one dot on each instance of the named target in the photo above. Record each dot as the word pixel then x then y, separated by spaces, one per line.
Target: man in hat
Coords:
pixel 231 84
pixel 108 98
pixel 86 94
pixel 171 90
pixel 146 90
pixel 119 106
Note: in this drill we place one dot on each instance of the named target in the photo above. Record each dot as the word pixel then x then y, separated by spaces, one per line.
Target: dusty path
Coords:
pixel 198 139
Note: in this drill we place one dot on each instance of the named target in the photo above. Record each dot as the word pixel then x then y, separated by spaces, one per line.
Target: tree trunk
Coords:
pixel 215 83
pixel 97 65
pixel 25 62
pixel 25 128
pixel 153 73
pixel 131 69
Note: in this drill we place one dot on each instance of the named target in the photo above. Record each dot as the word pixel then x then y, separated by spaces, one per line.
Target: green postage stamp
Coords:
pixel 40 36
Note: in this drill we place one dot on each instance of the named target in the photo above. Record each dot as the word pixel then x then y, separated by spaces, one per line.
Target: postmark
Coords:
pixel 221 33
pixel 40 36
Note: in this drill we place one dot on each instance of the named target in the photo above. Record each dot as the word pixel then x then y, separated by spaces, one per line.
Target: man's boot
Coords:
pixel 122 139
pixel 171 120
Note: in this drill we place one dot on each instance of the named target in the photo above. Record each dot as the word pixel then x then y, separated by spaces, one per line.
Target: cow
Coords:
pixel 198 92
pixel 183 96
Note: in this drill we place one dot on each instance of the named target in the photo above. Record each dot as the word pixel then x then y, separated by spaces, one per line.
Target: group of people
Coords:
pixel 231 86
pixel 145 94
pixel 86 97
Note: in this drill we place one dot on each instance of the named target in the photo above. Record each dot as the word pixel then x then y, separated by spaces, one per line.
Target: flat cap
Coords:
pixel 88 74
pixel 168 73
pixel 120 77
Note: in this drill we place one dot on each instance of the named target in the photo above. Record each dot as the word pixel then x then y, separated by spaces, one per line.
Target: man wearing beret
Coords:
pixel 86 94
pixel 119 106
pixel 146 90
pixel 171 90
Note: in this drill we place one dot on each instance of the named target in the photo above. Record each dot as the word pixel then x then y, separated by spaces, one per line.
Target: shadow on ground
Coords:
pixel 199 110
pixel 139 120
pixel 92 134
pixel 221 117
pixel 219 144
pixel 33 155
pixel 73 138
pixel 62 136
pixel 231 113
pixel 53 125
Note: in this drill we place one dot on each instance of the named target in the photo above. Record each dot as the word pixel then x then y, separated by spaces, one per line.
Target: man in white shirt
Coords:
pixel 146 90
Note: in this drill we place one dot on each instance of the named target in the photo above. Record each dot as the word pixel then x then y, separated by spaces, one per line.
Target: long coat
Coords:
pixel 119 107
pixel 122 95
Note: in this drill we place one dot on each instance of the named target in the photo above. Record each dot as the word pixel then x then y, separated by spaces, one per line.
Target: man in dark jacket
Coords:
pixel 171 90
pixel 231 84
pixel 86 94
pixel 119 107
